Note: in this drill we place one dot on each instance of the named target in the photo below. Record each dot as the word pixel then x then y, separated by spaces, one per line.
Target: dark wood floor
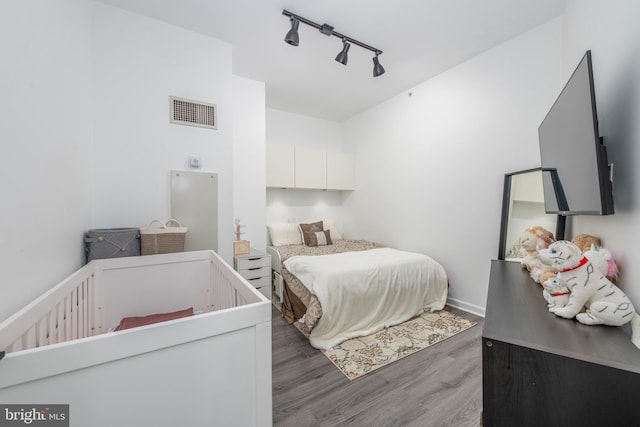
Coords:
pixel 438 386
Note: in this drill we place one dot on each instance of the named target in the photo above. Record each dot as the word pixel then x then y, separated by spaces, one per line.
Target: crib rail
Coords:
pixel 67 311
pixel 87 303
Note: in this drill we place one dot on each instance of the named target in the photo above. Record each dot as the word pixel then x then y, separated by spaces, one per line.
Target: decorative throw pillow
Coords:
pixel 310 228
pixel 317 238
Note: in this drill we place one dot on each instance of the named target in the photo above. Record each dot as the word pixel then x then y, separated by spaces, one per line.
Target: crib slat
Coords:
pixel 224 296
pixel 60 337
pixel 90 308
pixel 67 318
pixel 93 307
pixel 96 305
pixel 74 314
pixel 30 338
pixel 84 309
pixel 80 313
pixel 51 327
pixel 41 332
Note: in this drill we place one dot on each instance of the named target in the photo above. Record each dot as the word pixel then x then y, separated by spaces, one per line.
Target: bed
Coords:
pixel 209 368
pixel 344 288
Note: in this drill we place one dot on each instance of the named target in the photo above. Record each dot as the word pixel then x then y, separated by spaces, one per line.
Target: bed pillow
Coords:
pixel 285 234
pixel 331 226
pixel 318 238
pixel 311 227
pixel 134 322
pixel 309 236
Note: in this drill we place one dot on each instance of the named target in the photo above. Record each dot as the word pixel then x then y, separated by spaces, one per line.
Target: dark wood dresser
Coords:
pixel 541 370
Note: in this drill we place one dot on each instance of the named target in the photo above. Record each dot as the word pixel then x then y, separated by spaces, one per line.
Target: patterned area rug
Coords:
pixel 359 356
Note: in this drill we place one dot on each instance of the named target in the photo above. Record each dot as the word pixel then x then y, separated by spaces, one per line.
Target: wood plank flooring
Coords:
pixel 438 386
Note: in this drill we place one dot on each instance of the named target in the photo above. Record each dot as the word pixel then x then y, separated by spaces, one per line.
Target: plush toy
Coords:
pixel 586 241
pixel 602 258
pixel 604 302
pixel 532 240
pixel 556 292
pixel 547 275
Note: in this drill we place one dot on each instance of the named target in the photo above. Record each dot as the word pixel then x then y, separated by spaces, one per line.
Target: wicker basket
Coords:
pixel 162 239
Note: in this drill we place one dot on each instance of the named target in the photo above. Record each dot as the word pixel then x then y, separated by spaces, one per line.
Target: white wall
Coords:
pixel 249 157
pixel 612 31
pixel 304 205
pixel 137 64
pixel 304 131
pixel 433 158
pixel 86 137
pixel 45 140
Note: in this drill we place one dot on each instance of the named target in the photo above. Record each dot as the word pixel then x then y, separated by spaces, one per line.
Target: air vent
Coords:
pixel 193 113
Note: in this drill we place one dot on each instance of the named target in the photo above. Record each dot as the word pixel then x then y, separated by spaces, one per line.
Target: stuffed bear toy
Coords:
pixel 532 240
pixel 586 241
pixel 602 258
pixel 604 302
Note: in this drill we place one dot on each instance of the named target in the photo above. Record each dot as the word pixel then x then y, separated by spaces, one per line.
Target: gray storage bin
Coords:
pixel 112 243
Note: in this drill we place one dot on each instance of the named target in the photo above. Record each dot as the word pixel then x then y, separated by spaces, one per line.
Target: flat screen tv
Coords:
pixel 575 171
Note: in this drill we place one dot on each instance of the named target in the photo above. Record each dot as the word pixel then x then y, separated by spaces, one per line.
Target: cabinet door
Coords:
pixel 310 168
pixel 340 171
pixel 280 166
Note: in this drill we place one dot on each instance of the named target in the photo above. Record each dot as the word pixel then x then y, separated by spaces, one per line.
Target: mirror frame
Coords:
pixel 505 215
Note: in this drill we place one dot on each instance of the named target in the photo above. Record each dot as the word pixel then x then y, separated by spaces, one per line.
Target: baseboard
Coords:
pixel 471 308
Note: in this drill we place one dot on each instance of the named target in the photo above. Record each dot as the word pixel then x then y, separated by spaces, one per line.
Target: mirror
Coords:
pixel 522 207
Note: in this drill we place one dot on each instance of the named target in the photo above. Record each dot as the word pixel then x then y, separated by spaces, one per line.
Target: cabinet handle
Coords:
pixel 489 344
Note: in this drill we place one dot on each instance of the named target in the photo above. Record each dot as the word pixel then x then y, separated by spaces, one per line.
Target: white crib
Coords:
pixel 210 369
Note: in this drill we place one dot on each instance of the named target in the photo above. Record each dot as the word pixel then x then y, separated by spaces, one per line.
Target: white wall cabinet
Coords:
pixel 310 168
pixel 306 168
pixel 340 171
pixel 280 166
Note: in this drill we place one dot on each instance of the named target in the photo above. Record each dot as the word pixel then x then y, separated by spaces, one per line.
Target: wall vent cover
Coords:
pixel 193 113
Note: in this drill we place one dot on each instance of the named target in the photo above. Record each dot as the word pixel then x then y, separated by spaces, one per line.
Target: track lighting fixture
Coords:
pixel 378 69
pixel 292 38
pixel 343 55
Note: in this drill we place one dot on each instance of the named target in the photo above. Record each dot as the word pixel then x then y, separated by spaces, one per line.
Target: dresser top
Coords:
pixel 517 313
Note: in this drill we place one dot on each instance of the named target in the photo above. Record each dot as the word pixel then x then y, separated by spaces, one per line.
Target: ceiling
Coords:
pixel 419 39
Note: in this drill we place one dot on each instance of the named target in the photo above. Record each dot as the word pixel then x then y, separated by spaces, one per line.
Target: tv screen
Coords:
pixel 576 177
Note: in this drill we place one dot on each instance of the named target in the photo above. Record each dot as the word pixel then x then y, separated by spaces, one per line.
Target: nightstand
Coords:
pixel 256 268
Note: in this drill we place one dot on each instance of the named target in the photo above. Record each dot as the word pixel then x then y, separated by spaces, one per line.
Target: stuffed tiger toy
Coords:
pixel 604 302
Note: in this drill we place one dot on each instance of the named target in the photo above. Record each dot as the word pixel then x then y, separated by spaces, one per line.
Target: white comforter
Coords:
pixel 366 291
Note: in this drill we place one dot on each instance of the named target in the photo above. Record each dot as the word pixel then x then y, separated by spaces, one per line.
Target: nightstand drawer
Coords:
pixel 261 282
pixel 253 273
pixel 253 262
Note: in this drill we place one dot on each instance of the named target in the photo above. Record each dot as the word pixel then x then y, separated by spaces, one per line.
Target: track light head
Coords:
pixel 343 55
pixel 292 36
pixel 378 69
